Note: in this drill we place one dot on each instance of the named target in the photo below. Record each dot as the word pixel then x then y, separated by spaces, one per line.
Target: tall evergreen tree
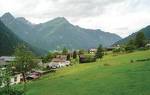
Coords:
pixel 140 40
pixel 74 54
pixel 68 56
pixel 130 46
pixel 100 52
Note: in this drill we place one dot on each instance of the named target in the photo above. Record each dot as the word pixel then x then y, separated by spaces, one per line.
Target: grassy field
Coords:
pixel 113 75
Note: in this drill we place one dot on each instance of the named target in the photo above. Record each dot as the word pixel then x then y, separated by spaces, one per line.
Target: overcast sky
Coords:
pixel 122 17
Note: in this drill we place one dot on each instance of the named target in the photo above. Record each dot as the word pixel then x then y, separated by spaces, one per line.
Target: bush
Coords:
pixel 116 50
pixel 130 48
pixel 4 91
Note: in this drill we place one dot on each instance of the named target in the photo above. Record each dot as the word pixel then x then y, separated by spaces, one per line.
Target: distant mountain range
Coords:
pixel 57 34
pixel 145 30
pixel 9 41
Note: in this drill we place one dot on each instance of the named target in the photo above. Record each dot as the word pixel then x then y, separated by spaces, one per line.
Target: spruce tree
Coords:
pixel 140 40
pixel 74 55
pixel 100 53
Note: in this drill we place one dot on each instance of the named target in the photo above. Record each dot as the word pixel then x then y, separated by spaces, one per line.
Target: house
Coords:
pixel 110 48
pixel 5 60
pixel 113 47
pixel 16 79
pixel 32 76
pixel 92 51
pixel 148 45
pixel 63 57
pixel 86 59
pixel 3 63
pixel 59 61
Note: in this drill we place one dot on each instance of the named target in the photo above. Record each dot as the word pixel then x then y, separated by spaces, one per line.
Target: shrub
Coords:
pixel 4 91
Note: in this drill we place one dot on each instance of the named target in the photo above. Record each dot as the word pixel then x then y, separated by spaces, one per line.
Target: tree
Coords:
pixel 48 58
pixel 81 51
pixel 100 52
pixel 140 40
pixel 130 46
pixel 65 51
pixel 74 54
pixel 23 62
pixel 1 78
pixel 5 80
pixel 116 50
pixel 68 56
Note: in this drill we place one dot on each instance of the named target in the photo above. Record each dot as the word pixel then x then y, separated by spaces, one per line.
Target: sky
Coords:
pixel 122 17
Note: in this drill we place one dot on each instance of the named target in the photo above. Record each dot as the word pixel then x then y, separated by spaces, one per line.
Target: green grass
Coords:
pixel 119 78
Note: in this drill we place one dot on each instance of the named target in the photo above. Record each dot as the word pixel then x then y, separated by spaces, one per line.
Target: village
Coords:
pixel 54 61
pixel 59 61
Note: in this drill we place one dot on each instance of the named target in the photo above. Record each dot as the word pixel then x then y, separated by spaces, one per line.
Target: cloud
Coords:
pixel 117 16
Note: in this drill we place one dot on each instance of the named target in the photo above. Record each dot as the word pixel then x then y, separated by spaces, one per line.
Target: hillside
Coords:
pixel 145 30
pixel 120 77
pixel 9 41
pixel 21 27
pixel 58 33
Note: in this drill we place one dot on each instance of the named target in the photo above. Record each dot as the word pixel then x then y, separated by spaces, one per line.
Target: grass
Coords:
pixel 119 77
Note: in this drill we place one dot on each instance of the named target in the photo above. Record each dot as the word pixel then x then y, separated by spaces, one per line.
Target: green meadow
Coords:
pixel 112 75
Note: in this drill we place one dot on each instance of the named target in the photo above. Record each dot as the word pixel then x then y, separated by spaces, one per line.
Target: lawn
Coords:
pixel 113 75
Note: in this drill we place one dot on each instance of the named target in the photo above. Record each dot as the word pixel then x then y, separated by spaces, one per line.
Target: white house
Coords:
pixel 7 58
pixel 93 50
pixel 59 61
pixel 148 45
pixel 15 79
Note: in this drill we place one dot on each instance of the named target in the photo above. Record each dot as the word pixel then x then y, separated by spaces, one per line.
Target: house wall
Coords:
pixel 15 79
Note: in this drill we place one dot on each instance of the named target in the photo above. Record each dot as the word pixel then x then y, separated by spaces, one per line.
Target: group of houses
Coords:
pixel 57 62
pixel 16 78
pixel 4 62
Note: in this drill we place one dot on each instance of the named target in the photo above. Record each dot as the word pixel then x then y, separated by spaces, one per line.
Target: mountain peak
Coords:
pixel 60 20
pixel 23 20
pixel 7 17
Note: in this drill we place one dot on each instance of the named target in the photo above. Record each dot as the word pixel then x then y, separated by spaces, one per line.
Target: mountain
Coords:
pixel 21 27
pixel 145 30
pixel 9 41
pixel 58 33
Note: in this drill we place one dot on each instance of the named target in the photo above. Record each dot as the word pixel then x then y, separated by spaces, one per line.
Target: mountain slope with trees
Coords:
pixel 145 30
pixel 9 41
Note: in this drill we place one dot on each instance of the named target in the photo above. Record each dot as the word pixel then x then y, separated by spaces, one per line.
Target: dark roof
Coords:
pixel 58 60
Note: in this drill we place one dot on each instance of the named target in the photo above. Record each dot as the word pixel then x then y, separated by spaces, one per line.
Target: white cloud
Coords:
pixel 122 17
